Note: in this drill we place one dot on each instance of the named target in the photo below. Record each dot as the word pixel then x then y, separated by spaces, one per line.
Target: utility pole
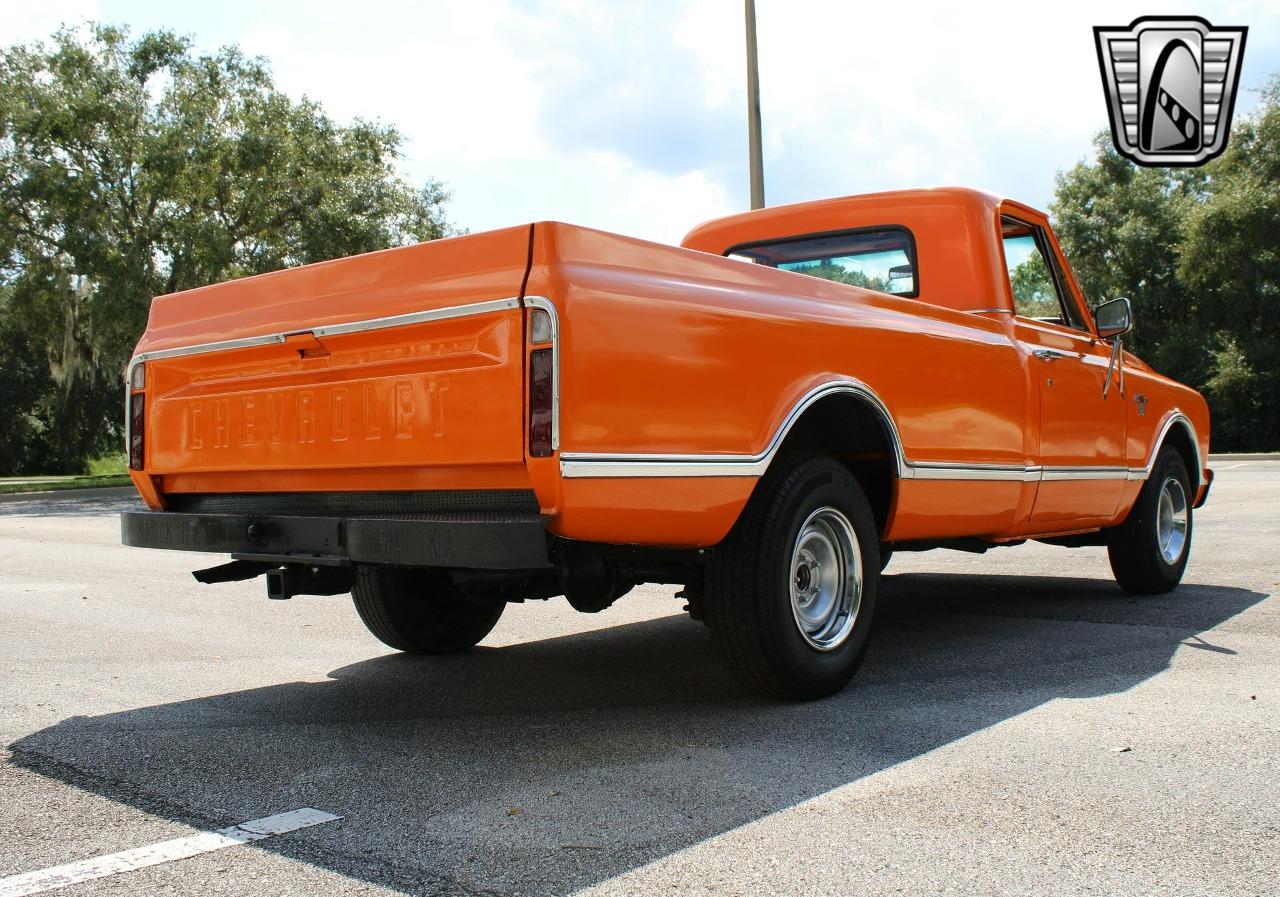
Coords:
pixel 753 111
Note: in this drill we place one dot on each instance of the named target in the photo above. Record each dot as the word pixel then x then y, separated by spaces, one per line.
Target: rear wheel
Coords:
pixel 420 610
pixel 791 592
pixel 1149 550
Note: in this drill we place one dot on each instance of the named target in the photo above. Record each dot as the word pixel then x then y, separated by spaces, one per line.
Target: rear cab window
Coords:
pixel 875 258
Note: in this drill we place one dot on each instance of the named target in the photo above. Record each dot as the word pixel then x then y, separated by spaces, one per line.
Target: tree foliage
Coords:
pixel 1034 293
pixel 135 167
pixel 828 270
pixel 1198 252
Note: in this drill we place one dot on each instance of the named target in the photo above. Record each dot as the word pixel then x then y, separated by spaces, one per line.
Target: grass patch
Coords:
pixel 109 465
pixel 90 482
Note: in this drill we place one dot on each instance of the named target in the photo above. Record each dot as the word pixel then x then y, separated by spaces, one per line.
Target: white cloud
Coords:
pixel 631 117
pixel 21 22
pixel 563 113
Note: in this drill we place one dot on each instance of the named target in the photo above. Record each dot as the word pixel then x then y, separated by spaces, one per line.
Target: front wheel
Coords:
pixel 791 593
pixel 1149 550
pixel 420 610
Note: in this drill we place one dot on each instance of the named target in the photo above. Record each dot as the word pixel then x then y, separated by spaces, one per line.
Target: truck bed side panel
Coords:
pixel 668 351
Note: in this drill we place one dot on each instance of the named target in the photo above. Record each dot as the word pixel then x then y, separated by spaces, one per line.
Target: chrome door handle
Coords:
pixel 1049 354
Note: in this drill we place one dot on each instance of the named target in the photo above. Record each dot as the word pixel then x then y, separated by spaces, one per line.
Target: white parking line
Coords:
pixel 164 852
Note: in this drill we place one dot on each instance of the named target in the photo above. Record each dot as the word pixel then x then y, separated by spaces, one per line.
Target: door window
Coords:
pixel 1037 283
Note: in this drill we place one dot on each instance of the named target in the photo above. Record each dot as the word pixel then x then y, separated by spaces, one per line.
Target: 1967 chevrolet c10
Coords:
pixel 762 416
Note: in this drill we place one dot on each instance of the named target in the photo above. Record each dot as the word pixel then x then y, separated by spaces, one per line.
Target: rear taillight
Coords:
pixel 541 397
pixel 137 415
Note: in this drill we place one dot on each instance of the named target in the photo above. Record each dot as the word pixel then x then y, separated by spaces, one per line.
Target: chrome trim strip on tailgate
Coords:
pixel 417 317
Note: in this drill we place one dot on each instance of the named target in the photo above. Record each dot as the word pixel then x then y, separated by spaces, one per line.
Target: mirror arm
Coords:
pixel 1116 365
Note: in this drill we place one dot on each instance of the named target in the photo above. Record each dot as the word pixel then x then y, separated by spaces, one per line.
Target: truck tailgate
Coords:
pixel 409 357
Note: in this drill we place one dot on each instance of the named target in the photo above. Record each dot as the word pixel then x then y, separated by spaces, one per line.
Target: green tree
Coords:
pixel 1198 252
pixel 1033 290
pixel 1230 259
pixel 130 168
pixel 1121 227
pixel 828 270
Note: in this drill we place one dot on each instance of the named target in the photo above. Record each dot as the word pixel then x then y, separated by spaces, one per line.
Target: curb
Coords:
pixel 103 492
pixel 1255 456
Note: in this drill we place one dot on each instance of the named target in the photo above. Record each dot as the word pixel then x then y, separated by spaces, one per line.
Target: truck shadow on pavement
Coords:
pixel 548 766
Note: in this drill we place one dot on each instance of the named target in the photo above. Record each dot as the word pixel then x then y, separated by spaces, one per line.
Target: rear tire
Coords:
pixel 791 592
pixel 420 610
pixel 1149 550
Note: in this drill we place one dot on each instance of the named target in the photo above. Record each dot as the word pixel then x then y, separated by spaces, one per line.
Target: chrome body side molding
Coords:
pixel 606 464
pixel 621 465
pixel 946 470
pixel 629 465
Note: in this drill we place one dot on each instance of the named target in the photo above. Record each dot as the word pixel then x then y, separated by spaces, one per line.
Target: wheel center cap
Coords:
pixel 804 578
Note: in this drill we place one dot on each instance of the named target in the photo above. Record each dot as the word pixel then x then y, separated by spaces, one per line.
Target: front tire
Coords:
pixel 1149 550
pixel 420 610
pixel 791 592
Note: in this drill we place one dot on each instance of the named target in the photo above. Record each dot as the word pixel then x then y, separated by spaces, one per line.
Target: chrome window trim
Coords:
pixel 267 339
pixel 549 307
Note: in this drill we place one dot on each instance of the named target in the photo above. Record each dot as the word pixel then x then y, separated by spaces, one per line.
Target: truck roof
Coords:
pixel 719 235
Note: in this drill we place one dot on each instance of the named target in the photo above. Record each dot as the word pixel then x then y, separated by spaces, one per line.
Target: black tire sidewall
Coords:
pixel 827 484
pixel 1170 464
pixel 420 610
pixel 1134 546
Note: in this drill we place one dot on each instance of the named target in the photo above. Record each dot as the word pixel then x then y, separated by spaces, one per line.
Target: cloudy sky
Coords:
pixel 630 116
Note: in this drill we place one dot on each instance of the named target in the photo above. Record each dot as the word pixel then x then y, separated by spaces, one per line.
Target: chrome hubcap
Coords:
pixel 826 579
pixel 1171 520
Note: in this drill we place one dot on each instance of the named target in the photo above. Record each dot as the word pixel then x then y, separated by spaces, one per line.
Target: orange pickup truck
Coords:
pixel 761 416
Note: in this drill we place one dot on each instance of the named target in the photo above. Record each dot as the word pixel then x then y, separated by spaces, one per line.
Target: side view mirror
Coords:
pixel 1114 318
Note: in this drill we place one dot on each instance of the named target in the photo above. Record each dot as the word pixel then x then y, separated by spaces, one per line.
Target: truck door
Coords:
pixel 1082 418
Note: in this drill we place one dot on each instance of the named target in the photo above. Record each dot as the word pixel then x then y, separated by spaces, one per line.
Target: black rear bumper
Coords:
pixel 501 541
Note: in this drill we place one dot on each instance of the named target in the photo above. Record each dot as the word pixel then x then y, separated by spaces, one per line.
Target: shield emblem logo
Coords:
pixel 1171 87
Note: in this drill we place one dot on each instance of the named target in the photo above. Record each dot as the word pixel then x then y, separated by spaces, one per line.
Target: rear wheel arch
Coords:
pixel 851 425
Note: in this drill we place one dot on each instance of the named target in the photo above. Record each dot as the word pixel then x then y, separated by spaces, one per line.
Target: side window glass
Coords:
pixel 1038 289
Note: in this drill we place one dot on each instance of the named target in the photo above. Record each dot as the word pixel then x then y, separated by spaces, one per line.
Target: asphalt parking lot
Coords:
pixel 1020 727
